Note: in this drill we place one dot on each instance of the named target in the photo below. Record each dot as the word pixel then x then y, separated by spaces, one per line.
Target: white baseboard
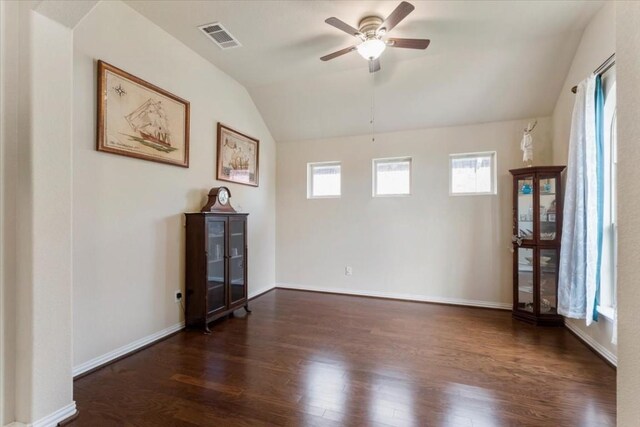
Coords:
pixel 50 420
pixel 105 358
pixel 108 357
pixel 595 345
pixel 402 296
pixel 260 292
pixel 61 414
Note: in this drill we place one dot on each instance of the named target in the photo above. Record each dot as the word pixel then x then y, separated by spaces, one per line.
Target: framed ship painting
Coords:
pixel 237 157
pixel 138 119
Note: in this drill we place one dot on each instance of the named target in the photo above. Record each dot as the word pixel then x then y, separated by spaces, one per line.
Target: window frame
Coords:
pixel 374 175
pixel 609 282
pixel 494 172
pixel 310 167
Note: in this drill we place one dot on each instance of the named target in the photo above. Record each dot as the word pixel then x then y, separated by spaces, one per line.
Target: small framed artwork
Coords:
pixel 138 119
pixel 237 157
pixel 551 217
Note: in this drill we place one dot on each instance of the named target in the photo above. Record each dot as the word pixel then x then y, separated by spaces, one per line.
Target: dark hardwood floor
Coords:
pixel 309 359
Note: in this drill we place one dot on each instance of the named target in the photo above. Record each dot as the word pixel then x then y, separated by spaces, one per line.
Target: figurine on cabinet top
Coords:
pixel 526 145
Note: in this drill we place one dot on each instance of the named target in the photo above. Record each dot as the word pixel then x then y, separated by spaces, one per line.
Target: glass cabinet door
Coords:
pixel 548 280
pixel 547 208
pixel 525 257
pixel 525 214
pixel 237 259
pixel 216 298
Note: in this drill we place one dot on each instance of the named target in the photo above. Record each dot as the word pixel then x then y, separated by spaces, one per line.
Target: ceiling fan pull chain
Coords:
pixel 373 107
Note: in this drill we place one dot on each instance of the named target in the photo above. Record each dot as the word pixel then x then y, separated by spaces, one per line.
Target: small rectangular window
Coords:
pixel 323 180
pixel 392 177
pixel 472 173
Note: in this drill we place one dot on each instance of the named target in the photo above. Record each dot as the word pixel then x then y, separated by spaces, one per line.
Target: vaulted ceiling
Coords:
pixel 488 60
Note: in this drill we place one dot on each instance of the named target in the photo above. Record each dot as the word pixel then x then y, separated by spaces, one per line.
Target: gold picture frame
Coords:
pixel 138 119
pixel 237 157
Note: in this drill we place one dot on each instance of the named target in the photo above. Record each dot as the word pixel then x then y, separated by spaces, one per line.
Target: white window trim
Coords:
pixel 494 178
pixel 310 166
pixel 610 283
pixel 607 312
pixel 374 177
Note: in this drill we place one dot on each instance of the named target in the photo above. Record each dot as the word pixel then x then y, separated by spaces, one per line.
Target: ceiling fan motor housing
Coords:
pixel 369 25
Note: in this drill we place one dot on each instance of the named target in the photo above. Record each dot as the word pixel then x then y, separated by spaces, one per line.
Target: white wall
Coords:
pixel 426 246
pixel 628 68
pixel 36 216
pixel 8 159
pixel 44 316
pixel 597 44
pixel 128 230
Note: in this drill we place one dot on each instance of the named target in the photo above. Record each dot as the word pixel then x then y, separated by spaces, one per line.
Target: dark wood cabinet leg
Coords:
pixel 246 308
pixel 207 331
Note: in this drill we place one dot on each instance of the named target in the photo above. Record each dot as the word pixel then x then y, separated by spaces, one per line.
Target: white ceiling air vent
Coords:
pixel 219 35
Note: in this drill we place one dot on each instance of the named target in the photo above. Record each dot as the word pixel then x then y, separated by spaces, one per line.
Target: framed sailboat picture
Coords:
pixel 237 157
pixel 138 119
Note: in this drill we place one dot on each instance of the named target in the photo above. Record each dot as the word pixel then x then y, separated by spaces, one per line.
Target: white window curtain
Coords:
pixel 581 252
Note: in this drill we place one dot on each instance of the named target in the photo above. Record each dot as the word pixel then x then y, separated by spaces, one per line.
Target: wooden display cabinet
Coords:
pixel 216 266
pixel 537 228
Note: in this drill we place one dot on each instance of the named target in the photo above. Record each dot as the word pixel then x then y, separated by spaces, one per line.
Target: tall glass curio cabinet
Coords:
pixel 537 228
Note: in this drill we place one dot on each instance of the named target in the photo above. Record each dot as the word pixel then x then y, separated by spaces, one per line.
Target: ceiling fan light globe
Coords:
pixel 371 49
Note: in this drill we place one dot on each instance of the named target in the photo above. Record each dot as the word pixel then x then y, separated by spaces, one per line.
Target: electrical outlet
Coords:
pixel 178 296
pixel 348 271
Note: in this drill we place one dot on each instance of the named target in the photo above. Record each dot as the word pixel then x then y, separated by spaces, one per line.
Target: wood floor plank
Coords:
pixel 310 359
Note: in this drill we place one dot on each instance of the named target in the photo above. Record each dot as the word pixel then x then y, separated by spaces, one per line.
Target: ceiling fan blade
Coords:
pixel 342 26
pixel 338 53
pixel 374 65
pixel 396 16
pixel 409 43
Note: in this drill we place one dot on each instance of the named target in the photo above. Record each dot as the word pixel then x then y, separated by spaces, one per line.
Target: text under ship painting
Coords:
pixel 138 119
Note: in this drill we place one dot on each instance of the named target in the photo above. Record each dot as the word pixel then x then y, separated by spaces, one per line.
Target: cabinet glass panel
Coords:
pixel 547 208
pixel 236 259
pixel 525 279
pixel 525 214
pixel 215 265
pixel 548 281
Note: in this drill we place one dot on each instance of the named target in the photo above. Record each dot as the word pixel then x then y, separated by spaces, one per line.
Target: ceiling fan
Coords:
pixel 371 32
